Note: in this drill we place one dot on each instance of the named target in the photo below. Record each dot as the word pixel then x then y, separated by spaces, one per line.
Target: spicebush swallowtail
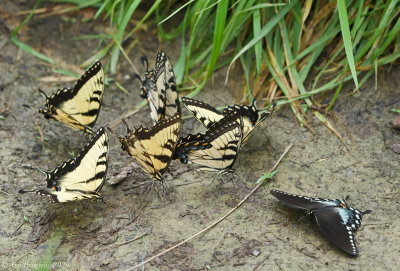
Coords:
pixel 335 218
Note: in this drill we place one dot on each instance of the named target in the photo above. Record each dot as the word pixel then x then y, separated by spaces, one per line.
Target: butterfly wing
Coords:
pixel 302 202
pixel 154 148
pixel 78 106
pixel 338 224
pixel 159 87
pixel 81 177
pixel 251 117
pixel 203 112
pixel 166 85
pixel 217 150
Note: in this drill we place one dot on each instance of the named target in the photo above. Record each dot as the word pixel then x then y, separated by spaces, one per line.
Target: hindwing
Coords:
pixel 217 149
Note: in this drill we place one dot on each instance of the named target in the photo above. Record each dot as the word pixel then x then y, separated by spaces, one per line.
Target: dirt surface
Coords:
pixel 130 225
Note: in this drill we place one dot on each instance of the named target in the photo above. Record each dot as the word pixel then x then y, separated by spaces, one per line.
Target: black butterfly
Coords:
pixel 335 218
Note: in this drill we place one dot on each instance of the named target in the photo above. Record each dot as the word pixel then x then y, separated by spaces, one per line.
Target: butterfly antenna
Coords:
pixel 138 77
pixel 145 62
pixel 366 212
pixel 44 93
pixel 21 191
pixel 126 126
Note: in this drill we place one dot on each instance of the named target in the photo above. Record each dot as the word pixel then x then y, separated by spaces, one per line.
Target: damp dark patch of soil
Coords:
pixel 131 224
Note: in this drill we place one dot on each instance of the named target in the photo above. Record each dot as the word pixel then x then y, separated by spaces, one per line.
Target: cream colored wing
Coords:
pixel 81 177
pixel 154 148
pixel 217 150
pixel 82 102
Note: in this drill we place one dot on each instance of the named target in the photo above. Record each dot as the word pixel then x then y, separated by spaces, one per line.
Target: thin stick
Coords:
pixel 216 222
pixel 117 121
pixel 134 239
pixel 125 55
pixel 40 132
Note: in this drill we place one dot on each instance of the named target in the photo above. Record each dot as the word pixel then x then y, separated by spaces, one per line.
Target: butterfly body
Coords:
pixel 77 107
pixel 335 218
pixel 81 177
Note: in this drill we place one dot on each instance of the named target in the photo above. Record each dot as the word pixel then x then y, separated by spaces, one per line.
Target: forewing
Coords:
pixel 154 148
pixel 203 112
pixel 83 101
pixel 302 202
pixel 166 85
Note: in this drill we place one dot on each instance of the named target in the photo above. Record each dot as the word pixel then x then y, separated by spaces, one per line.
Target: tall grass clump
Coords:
pixel 287 51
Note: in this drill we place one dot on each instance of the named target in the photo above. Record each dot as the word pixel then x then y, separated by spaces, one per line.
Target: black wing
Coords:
pixel 338 224
pixel 303 203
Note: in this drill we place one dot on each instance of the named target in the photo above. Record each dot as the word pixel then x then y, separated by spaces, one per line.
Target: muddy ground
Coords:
pixel 130 225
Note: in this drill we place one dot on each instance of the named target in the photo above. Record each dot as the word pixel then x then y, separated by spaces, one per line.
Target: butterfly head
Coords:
pixel 45 109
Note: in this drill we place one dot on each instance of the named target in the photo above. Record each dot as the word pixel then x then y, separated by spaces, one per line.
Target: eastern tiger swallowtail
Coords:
pixel 153 148
pixel 159 88
pixel 81 177
pixel 335 218
pixel 208 115
pixel 77 107
pixel 217 149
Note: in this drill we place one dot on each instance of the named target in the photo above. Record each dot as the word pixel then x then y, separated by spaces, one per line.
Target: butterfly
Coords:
pixel 81 177
pixel 77 107
pixel 153 148
pixel 217 149
pixel 335 218
pixel 208 115
pixel 159 88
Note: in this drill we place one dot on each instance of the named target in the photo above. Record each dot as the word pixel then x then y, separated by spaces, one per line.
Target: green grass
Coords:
pixel 286 51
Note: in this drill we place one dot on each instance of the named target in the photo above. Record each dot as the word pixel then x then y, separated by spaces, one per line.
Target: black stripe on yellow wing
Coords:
pixel 203 112
pixel 159 88
pixel 166 85
pixel 78 107
pixel 216 150
pixel 81 177
pixel 153 148
pixel 208 115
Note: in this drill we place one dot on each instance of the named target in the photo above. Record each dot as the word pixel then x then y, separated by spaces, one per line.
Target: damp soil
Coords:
pixel 132 223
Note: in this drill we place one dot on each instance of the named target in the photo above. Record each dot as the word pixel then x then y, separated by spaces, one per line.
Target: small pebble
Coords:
pixel 396 123
pixel 256 253
pixel 396 147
